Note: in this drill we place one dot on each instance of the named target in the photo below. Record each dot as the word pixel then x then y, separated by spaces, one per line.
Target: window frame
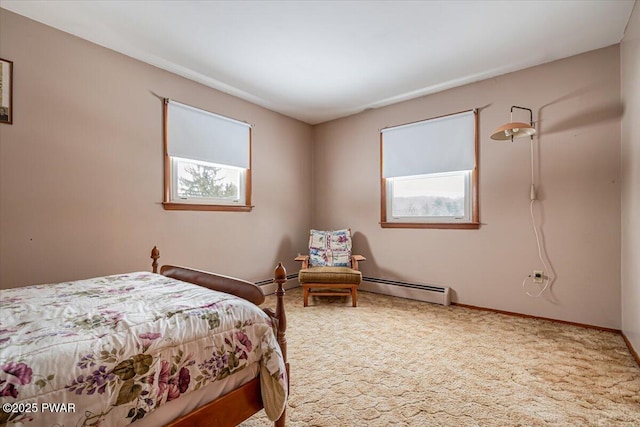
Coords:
pixel 473 223
pixel 171 203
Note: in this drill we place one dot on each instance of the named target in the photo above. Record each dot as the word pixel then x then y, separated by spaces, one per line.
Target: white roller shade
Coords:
pixel 443 144
pixel 200 135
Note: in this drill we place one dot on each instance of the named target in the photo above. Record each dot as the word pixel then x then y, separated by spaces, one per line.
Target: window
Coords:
pixel 429 173
pixel 207 160
pixel 204 182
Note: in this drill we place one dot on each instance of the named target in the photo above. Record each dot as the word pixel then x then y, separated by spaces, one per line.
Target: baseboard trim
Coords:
pixel 530 316
pixel 632 350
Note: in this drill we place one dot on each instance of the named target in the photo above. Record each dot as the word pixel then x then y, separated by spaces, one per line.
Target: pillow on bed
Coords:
pixel 330 248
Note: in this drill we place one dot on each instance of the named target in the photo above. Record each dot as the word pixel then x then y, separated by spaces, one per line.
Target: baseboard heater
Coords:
pixel 416 291
pixel 268 287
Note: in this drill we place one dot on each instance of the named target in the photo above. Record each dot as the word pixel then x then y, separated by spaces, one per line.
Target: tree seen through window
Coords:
pixel 197 180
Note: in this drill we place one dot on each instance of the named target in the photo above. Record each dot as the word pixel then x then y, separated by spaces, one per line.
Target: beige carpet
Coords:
pixel 397 362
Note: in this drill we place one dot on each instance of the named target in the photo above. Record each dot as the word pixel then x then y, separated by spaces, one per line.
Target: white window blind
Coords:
pixel 200 135
pixel 443 144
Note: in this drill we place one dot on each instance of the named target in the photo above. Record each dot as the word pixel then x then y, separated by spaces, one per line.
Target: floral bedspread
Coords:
pixel 110 350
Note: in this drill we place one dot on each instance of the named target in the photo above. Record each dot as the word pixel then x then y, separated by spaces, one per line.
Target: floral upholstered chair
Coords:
pixel 330 268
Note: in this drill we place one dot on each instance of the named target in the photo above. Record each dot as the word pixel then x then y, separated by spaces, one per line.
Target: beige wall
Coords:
pixel 577 104
pixel 81 174
pixel 630 76
pixel 81 181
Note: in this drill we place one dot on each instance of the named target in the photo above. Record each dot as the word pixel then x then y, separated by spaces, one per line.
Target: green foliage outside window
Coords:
pixel 203 181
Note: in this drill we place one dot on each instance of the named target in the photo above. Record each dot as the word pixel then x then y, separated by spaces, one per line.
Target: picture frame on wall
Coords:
pixel 6 91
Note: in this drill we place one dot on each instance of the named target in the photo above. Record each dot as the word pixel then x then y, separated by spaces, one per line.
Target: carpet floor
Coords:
pixel 398 362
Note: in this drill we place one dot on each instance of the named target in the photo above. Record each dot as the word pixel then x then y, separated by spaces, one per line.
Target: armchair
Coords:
pixel 330 269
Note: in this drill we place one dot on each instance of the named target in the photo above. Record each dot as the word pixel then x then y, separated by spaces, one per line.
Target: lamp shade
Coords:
pixel 513 130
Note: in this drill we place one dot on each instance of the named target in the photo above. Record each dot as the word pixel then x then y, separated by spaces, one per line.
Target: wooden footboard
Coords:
pixel 217 282
pixel 241 403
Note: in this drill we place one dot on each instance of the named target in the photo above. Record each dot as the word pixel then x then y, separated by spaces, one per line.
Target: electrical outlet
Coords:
pixel 538 276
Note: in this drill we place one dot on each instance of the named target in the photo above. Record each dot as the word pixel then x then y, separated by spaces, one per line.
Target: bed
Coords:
pixel 179 348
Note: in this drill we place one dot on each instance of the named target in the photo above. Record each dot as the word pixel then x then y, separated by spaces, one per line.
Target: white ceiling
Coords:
pixel 320 60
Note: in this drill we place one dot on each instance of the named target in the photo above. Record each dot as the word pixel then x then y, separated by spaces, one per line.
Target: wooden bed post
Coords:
pixel 280 277
pixel 155 254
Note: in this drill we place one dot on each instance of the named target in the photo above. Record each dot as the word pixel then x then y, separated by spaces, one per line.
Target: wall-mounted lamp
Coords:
pixel 515 129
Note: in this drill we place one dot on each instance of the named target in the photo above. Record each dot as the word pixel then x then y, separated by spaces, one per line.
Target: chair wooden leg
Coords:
pixel 354 296
pixel 305 295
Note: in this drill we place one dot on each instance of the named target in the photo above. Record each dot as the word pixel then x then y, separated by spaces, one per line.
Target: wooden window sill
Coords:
pixel 439 225
pixel 169 206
